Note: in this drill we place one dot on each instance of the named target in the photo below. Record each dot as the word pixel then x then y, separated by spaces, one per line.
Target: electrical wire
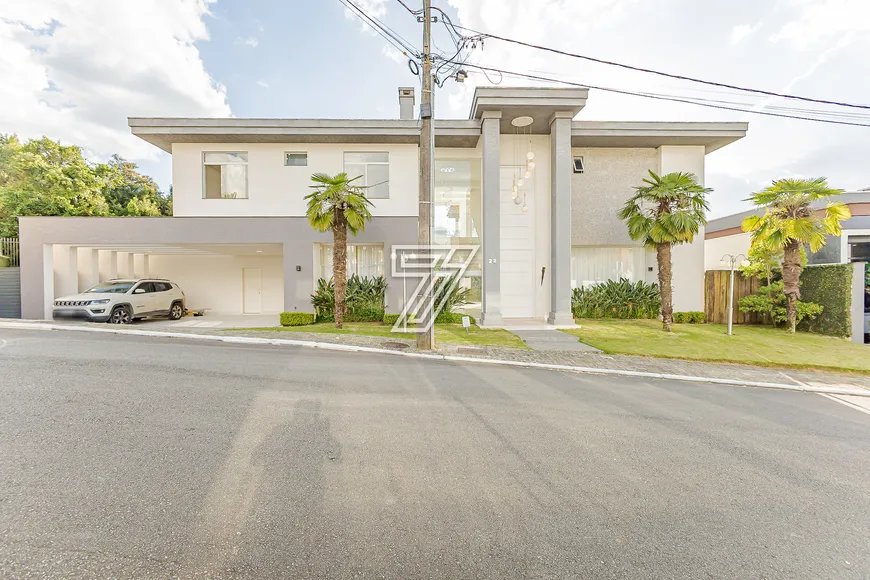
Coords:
pixel 390 35
pixel 664 97
pixel 660 73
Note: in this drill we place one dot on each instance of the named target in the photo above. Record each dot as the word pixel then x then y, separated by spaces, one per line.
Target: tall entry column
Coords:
pixel 491 209
pixel 560 219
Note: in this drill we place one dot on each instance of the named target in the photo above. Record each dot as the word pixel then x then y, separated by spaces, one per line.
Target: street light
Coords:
pixel 731 260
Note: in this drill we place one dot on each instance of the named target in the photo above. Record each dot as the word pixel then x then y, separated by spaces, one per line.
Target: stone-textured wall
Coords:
pixel 598 193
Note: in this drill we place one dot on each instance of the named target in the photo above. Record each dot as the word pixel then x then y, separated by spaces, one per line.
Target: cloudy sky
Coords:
pixel 74 70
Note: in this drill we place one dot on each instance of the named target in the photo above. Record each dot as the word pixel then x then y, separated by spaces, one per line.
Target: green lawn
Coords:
pixel 758 345
pixel 446 333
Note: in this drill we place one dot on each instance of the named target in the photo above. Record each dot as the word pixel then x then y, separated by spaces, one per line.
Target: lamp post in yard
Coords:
pixel 731 260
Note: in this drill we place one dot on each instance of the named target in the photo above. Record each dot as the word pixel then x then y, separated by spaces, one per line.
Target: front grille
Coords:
pixel 71 303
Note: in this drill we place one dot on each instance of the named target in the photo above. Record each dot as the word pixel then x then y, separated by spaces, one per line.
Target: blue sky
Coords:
pixel 75 69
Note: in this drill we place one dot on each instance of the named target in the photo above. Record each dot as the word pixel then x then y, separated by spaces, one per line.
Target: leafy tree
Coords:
pixel 123 184
pixel 141 206
pixel 668 210
pixel 340 206
pixel 43 178
pixel 771 301
pixel 790 222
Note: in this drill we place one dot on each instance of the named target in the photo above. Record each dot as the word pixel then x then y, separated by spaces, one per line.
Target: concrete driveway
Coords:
pixel 134 457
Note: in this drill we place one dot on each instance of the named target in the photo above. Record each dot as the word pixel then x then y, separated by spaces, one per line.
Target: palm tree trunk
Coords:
pixel 339 264
pixel 791 276
pixel 663 255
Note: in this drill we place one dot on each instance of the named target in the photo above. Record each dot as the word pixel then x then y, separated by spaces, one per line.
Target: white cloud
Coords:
pixel 818 20
pixel 250 41
pixel 76 69
pixel 375 8
pixel 393 54
pixel 263 84
pixel 741 31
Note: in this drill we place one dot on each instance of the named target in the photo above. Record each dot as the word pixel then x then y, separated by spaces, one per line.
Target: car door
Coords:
pixel 162 297
pixel 143 298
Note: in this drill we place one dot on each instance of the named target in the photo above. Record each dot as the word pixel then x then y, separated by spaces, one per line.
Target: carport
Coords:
pixel 219 278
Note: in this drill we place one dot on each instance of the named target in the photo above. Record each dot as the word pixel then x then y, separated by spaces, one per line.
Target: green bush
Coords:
pixel 770 302
pixel 363 294
pixel 5 262
pixel 297 318
pixel 830 286
pixel 617 299
pixel 451 318
pixel 391 319
pixel 365 315
pixel 692 317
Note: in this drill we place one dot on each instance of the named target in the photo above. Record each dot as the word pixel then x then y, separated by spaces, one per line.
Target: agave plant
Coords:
pixel 617 299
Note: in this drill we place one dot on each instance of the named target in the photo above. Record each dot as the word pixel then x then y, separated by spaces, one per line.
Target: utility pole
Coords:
pixel 426 340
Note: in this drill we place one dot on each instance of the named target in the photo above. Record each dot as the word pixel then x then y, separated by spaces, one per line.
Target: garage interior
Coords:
pixel 231 279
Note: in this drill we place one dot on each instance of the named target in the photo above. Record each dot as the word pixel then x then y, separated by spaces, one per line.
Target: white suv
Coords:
pixel 123 301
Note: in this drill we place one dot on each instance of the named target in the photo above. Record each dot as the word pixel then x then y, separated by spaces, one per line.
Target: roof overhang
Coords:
pixel 538 103
pixel 643 134
pixel 164 132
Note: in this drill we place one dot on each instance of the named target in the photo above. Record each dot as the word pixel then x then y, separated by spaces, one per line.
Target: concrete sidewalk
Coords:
pixel 583 360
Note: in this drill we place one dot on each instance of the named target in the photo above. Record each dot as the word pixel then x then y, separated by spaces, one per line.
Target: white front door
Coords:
pixel 517 249
pixel 252 290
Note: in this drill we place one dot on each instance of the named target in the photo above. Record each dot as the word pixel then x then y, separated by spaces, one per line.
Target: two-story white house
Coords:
pixel 239 242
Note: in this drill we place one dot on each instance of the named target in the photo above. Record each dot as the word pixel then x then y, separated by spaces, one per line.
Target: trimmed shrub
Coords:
pixel 5 262
pixel 830 286
pixel 390 319
pixel 365 315
pixel 297 318
pixel 693 317
pixel 617 299
pixel 452 318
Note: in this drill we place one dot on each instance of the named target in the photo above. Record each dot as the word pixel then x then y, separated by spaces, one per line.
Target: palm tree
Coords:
pixel 666 211
pixel 789 222
pixel 338 205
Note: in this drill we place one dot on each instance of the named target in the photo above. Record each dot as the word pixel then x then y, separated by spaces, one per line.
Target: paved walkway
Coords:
pixel 553 340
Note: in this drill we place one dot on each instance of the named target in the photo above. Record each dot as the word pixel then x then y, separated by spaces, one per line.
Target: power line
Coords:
pixel 660 73
pixel 663 97
pixel 382 29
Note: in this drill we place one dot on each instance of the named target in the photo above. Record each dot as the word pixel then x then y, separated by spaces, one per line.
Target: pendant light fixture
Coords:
pixel 523 167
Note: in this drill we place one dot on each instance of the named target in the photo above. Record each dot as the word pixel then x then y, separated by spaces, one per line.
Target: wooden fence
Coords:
pixel 716 296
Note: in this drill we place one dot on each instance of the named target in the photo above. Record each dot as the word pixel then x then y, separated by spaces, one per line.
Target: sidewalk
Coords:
pixel 588 360
pixel 584 359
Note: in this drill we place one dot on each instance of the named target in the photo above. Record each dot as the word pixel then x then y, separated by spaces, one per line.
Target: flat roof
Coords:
pixel 712 136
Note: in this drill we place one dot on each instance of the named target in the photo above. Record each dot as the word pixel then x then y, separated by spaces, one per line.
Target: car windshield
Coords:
pixel 116 287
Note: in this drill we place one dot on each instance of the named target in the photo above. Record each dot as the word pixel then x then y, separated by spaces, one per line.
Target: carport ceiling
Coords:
pixel 195 249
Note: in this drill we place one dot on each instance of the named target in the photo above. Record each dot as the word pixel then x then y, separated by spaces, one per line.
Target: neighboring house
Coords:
pixel 726 236
pixel 239 241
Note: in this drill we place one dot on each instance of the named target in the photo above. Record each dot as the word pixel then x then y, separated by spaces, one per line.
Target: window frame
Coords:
pixel 351 249
pixel 205 165
pixel 574 161
pixel 367 164
pixel 302 153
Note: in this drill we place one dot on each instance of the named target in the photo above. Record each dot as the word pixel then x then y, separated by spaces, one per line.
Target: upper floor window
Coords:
pixel 295 159
pixel 364 260
pixel 374 168
pixel 225 175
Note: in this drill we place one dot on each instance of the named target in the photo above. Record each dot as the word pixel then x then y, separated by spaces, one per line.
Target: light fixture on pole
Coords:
pixel 523 164
pixel 731 260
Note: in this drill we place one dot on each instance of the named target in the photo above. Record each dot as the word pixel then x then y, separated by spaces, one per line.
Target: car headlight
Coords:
pixel 105 301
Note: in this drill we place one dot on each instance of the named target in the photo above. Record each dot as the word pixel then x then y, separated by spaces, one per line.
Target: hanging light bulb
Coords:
pixel 518 200
pixel 527 174
pixel 530 155
pixel 521 182
pixel 531 165
pixel 525 208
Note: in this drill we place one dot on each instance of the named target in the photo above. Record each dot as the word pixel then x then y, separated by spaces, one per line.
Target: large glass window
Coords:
pixel 366 260
pixel 592 265
pixel 374 168
pixel 225 175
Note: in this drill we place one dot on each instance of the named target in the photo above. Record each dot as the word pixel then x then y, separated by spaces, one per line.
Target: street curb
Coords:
pixel 442 357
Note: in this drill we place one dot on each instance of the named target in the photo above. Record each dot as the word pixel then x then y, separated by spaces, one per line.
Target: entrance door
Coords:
pixel 517 249
pixel 252 290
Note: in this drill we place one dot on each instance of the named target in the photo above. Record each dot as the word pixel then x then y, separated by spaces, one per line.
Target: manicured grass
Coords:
pixel 446 333
pixel 758 345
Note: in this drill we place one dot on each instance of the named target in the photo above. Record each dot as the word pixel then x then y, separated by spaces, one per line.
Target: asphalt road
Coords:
pixel 130 457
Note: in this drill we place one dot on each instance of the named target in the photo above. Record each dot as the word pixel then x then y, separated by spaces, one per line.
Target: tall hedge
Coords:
pixel 831 286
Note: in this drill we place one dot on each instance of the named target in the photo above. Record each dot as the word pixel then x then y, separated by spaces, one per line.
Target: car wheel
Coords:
pixel 176 311
pixel 121 315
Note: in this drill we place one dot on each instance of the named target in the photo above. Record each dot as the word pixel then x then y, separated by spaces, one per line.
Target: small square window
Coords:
pixel 295 159
pixel 578 165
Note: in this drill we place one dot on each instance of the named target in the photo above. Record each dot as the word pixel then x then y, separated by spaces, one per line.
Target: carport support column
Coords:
pixel 92 275
pixel 68 270
pixel 146 266
pixel 47 281
pixel 560 219
pixel 126 266
pixel 112 272
pixel 491 209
